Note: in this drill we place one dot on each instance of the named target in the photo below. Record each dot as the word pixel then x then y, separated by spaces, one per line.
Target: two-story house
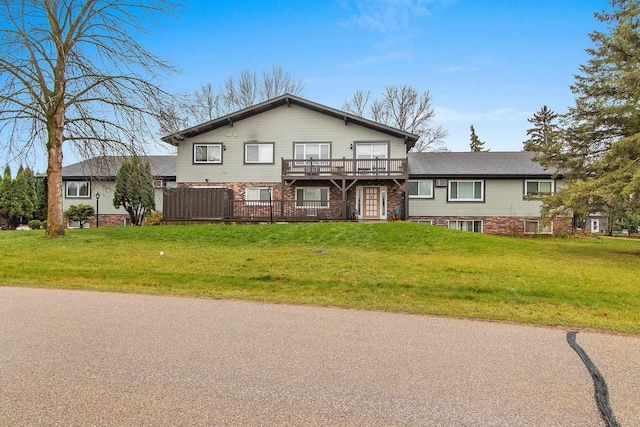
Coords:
pixel 317 161
pixel 290 159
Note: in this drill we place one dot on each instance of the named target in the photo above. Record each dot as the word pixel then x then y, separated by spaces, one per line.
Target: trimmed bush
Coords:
pixel 35 224
pixel 154 218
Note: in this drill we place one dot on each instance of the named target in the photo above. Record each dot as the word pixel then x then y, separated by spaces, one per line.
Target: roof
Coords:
pixel 477 164
pixel 108 167
pixel 287 100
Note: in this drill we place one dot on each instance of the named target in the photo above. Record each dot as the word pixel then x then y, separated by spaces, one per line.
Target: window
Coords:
pixel 311 150
pixel 423 221
pixel 466 225
pixel 312 197
pixel 78 189
pixel 538 227
pixel 207 153
pixel 538 188
pixel 372 150
pixel 421 189
pixel 258 195
pixel 158 183
pixel 258 153
pixel 466 191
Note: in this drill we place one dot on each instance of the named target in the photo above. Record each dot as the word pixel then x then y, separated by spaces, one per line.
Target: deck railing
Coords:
pixel 370 168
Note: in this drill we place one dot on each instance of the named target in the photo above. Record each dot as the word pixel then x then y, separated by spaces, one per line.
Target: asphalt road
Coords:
pixel 74 358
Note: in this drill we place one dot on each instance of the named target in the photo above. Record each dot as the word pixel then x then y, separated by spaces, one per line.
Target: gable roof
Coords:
pixel 106 167
pixel 477 164
pixel 287 99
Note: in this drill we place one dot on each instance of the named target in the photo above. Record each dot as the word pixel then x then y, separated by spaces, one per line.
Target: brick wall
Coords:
pixel 506 226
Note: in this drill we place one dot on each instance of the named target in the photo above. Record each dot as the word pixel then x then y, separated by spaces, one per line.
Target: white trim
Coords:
pixel 383 201
pixel 260 145
pixel 78 185
pixel 207 145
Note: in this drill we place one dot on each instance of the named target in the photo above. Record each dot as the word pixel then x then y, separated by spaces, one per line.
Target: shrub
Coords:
pixel 80 213
pixel 154 218
pixel 35 224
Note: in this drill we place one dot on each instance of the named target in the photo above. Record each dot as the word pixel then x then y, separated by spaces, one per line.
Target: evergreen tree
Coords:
pixel 475 145
pixel 545 137
pixel 25 193
pixel 8 208
pixel 600 151
pixel 80 213
pixel 134 190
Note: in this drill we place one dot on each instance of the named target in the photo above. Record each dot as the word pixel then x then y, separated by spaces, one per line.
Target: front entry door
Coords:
pixel 371 203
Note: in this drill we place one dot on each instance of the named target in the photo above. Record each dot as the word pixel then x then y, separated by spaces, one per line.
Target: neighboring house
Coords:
pixel 485 192
pixel 318 162
pixel 84 181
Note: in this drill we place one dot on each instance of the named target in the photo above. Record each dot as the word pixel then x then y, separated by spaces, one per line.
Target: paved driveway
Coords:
pixel 84 358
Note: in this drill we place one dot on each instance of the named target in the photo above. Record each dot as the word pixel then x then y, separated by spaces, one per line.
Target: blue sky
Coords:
pixel 487 63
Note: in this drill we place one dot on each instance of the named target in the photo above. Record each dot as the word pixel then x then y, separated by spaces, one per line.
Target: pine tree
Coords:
pixel 599 151
pixel 475 145
pixel 545 137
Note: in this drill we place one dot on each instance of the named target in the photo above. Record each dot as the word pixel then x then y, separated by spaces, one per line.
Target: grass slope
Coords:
pixel 402 267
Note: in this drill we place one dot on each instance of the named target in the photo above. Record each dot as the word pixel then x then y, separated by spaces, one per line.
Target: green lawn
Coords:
pixel 402 267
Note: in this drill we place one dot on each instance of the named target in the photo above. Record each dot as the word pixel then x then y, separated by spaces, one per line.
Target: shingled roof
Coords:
pixel 106 167
pixel 287 100
pixel 476 164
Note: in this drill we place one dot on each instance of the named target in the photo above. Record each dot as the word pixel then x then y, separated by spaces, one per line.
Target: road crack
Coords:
pixel 599 384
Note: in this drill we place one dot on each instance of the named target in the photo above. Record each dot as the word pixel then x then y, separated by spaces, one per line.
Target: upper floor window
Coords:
pixel 538 188
pixel 466 191
pixel 207 153
pixel 372 150
pixel 258 152
pixel 311 150
pixel 421 189
pixel 79 189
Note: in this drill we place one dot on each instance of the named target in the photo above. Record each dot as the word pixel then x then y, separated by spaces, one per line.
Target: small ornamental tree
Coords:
pixel 134 190
pixel 80 213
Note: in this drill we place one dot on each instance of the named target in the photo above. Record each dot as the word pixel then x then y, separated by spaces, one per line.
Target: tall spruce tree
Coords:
pixel 545 137
pixel 475 144
pixel 599 152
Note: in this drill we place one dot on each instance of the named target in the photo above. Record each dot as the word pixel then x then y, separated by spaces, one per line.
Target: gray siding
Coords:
pixel 503 197
pixel 106 189
pixel 282 126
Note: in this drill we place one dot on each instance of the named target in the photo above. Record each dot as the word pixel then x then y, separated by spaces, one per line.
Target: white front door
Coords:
pixel 595 225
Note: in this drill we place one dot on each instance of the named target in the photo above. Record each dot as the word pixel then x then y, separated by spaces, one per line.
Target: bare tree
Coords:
pixel 236 93
pixel 72 71
pixel 276 82
pixel 402 107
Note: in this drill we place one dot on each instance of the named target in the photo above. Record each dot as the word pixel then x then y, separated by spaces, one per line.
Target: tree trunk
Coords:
pixel 55 218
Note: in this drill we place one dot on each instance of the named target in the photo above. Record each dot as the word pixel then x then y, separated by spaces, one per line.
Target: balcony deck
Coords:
pixel 344 168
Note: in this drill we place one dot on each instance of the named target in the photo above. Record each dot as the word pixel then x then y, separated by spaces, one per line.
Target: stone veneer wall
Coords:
pixel 506 226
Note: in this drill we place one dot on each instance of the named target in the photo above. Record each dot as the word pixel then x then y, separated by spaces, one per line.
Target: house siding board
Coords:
pixel 106 190
pixel 283 126
pixel 503 197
